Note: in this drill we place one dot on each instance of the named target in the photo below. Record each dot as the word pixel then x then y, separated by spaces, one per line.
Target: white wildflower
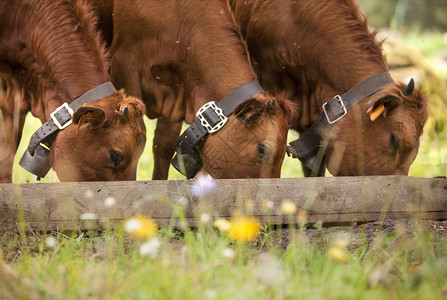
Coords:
pixel 151 248
pixel 51 242
pixel 109 202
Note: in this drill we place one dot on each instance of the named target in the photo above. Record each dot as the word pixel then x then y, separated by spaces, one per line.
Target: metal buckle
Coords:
pixel 56 121
pixel 340 100
pixel 204 121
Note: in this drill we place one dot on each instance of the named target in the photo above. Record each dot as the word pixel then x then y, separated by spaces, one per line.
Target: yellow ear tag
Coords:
pixel 376 112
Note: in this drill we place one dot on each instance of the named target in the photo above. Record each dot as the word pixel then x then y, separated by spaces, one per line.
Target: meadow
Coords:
pixel 238 258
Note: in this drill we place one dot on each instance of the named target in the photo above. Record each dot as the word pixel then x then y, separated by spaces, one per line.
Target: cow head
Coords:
pixel 380 136
pixel 104 142
pixel 253 142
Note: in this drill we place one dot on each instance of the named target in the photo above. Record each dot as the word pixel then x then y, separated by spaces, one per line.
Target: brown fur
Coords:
pixel 314 50
pixel 178 55
pixel 50 53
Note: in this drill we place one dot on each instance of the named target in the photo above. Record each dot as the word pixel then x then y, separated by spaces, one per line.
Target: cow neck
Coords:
pixel 211 118
pixel 66 60
pixel 35 159
pixel 307 147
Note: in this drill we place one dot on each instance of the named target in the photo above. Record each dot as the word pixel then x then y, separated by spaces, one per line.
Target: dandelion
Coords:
pixel 228 253
pixel 151 248
pixel 338 250
pixel 244 228
pixel 288 207
pixel 222 224
pixel 202 185
pixel 109 202
pixel 141 227
pixel 88 216
pixel 51 242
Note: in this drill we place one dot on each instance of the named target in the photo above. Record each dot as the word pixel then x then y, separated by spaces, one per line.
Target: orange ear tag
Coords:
pixel 80 121
pixel 376 112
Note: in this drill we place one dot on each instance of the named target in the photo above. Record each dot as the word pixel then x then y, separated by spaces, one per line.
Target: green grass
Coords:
pixel 192 266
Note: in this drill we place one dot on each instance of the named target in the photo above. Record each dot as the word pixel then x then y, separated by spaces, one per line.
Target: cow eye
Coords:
pixel 116 157
pixel 394 142
pixel 264 151
pixel 261 150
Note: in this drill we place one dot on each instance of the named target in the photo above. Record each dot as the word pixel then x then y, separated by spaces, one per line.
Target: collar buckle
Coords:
pixel 61 118
pixel 211 117
pixel 343 111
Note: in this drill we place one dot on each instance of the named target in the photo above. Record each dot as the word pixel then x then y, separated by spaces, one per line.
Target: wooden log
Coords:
pixel 61 206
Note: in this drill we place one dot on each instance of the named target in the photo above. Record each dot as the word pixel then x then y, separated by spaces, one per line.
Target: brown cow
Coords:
pixel 315 50
pixel 50 53
pixel 179 55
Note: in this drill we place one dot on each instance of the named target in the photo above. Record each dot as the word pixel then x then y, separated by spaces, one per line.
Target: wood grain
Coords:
pixel 60 206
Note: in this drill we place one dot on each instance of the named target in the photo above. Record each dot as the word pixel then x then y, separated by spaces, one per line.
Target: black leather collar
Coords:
pixel 35 158
pixel 307 147
pixel 211 117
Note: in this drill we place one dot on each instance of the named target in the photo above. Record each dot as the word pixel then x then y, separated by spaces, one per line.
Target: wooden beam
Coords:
pixel 81 205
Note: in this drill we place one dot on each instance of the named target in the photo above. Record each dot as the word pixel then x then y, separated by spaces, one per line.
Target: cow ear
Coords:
pixel 130 107
pixel 383 107
pixel 249 111
pixel 88 115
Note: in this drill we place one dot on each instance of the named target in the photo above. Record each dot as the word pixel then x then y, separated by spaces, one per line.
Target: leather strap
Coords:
pixel 190 142
pixel 307 147
pixel 35 158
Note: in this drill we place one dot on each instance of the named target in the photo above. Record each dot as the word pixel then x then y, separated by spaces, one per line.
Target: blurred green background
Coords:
pixel 416 46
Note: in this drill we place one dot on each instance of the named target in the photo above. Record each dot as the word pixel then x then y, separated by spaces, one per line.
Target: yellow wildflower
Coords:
pixel 288 207
pixel 141 227
pixel 338 250
pixel 244 228
pixel 338 254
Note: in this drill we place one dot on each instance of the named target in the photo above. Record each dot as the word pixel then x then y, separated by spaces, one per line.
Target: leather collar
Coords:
pixel 308 147
pixel 211 117
pixel 35 158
